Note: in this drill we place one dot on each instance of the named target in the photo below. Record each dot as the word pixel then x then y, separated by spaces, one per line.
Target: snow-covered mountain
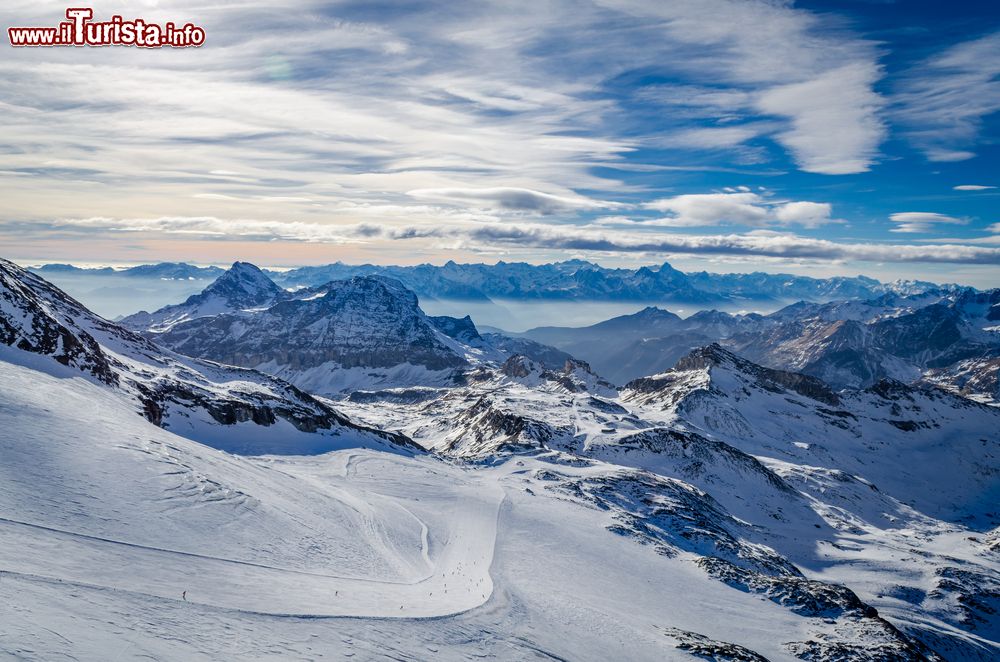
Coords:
pixel 978 379
pixel 856 344
pixel 776 482
pixel 579 280
pixel 794 417
pixel 848 343
pixel 231 408
pixel 242 287
pixel 718 509
pixel 122 539
pixel 572 280
pixel 361 332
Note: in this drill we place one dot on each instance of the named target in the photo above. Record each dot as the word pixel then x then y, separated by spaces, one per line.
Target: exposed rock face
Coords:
pixel 701 646
pixel 462 329
pixel 39 318
pixel 365 322
pixel 859 621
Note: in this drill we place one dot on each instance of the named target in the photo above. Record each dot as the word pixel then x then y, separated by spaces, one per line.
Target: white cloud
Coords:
pixel 780 245
pixel 738 206
pixel 943 100
pixel 804 213
pixel 834 124
pixel 919 221
pixel 973 187
pixel 712 209
pixel 712 137
pixel 491 236
pixel 760 243
pixel 515 199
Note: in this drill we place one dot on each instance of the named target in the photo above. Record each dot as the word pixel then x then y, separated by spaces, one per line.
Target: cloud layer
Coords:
pixel 569 125
pixel 760 243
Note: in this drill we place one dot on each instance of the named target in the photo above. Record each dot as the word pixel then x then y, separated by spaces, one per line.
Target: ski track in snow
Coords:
pixel 54 554
pixel 429 583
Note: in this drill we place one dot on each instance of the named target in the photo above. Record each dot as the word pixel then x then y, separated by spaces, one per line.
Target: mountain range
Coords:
pixel 192 397
pixel 377 481
pixel 572 280
pixel 943 335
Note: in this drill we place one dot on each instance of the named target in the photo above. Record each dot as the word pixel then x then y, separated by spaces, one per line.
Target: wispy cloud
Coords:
pixel 741 207
pixel 761 243
pixel 973 187
pixel 835 127
pixel 515 199
pixel 921 221
pixel 943 100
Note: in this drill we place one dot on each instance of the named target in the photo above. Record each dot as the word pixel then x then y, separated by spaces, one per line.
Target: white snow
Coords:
pixel 107 519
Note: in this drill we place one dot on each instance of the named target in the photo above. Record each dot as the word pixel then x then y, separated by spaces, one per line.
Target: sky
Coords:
pixel 820 138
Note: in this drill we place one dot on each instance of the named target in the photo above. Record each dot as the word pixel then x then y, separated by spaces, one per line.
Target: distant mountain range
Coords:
pixel 162 270
pixel 370 332
pixel 952 335
pixel 573 280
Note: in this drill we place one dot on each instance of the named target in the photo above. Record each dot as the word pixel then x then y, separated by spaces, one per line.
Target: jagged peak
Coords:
pixel 710 355
pixel 243 285
pixel 769 379
pixel 519 366
pixel 246 278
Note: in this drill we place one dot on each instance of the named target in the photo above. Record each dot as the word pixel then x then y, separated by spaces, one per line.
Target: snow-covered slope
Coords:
pixel 951 443
pixel 890 490
pixel 231 408
pixel 123 540
pixel 977 379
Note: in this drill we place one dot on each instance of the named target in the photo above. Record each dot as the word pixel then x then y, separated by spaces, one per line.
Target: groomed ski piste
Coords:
pixel 125 541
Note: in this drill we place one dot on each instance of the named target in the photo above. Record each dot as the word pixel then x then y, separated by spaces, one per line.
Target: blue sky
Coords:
pixel 812 137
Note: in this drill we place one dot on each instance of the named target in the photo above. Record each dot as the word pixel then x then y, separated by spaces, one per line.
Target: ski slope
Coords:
pixel 314 537
pixel 108 520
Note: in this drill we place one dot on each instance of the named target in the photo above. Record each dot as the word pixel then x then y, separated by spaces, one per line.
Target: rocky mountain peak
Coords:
pixel 519 367
pixel 244 285
pixel 461 329
pixel 768 379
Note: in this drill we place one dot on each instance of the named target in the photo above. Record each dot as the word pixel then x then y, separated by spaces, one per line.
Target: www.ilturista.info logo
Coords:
pixel 80 30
